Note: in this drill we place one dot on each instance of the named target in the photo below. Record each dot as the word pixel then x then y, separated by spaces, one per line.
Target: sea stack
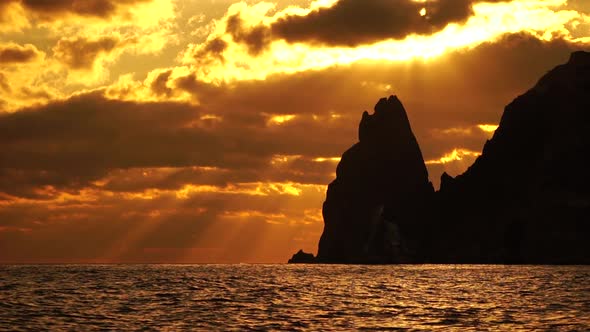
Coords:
pixel 379 183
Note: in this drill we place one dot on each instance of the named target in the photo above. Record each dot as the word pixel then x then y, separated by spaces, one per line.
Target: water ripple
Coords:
pixel 294 297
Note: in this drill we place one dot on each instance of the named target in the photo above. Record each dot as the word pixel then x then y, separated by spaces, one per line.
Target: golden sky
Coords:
pixel 207 130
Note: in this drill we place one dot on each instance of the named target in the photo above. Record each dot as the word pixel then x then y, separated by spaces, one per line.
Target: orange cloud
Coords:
pixel 12 16
pixel 488 128
pixel 13 53
pixel 4 85
pixel 455 155
pixel 272 42
pixel 81 53
pixel 280 119
pixel 96 8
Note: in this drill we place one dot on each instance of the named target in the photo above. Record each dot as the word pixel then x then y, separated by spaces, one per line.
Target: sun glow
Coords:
pixel 280 119
pixel 488 128
pixel 490 22
pixel 281 159
pixel 455 155
pixel 271 218
pixel 330 159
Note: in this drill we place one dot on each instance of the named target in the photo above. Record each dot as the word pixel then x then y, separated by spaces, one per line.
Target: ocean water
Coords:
pixel 294 297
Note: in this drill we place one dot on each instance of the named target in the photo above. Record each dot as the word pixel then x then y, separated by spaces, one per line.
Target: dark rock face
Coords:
pixel 302 257
pixel 526 199
pixel 378 181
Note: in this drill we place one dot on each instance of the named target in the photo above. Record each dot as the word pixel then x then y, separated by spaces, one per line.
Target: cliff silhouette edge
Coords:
pixel 525 200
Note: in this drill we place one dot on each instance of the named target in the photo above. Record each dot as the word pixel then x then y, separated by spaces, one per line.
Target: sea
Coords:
pixel 256 297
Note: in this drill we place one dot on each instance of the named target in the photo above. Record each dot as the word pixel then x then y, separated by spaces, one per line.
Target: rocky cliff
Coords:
pixel 526 199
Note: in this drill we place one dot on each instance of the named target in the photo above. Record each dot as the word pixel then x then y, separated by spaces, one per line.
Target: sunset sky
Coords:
pixel 207 130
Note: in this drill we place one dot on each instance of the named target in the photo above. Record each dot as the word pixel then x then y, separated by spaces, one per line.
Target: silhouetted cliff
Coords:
pixel 526 199
pixel 379 182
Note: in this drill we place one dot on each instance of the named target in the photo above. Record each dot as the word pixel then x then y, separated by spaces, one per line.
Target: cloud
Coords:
pixel 256 38
pixel 234 132
pixel 213 48
pixel 85 51
pixel 13 53
pixel 252 49
pixel 351 22
pixel 455 155
pixel 159 86
pixel 71 144
pixel 20 15
pixel 94 8
pixel 4 84
pixel 82 53
pixel 73 16
pixel 12 16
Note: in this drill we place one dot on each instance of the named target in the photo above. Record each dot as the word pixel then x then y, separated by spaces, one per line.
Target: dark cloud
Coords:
pixel 197 88
pixel 297 169
pixel 88 123
pixel 213 49
pixel 44 184
pixel 69 144
pixel 353 22
pixel 159 86
pixel 32 93
pixel 13 53
pixel 4 85
pixel 81 53
pixel 256 38
pixel 98 8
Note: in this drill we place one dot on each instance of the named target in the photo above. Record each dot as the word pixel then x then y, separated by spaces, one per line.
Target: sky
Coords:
pixel 206 131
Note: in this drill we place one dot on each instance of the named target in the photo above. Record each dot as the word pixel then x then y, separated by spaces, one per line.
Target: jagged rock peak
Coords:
pixel 579 58
pixel 446 181
pixel 571 75
pixel 389 104
pixel 389 117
